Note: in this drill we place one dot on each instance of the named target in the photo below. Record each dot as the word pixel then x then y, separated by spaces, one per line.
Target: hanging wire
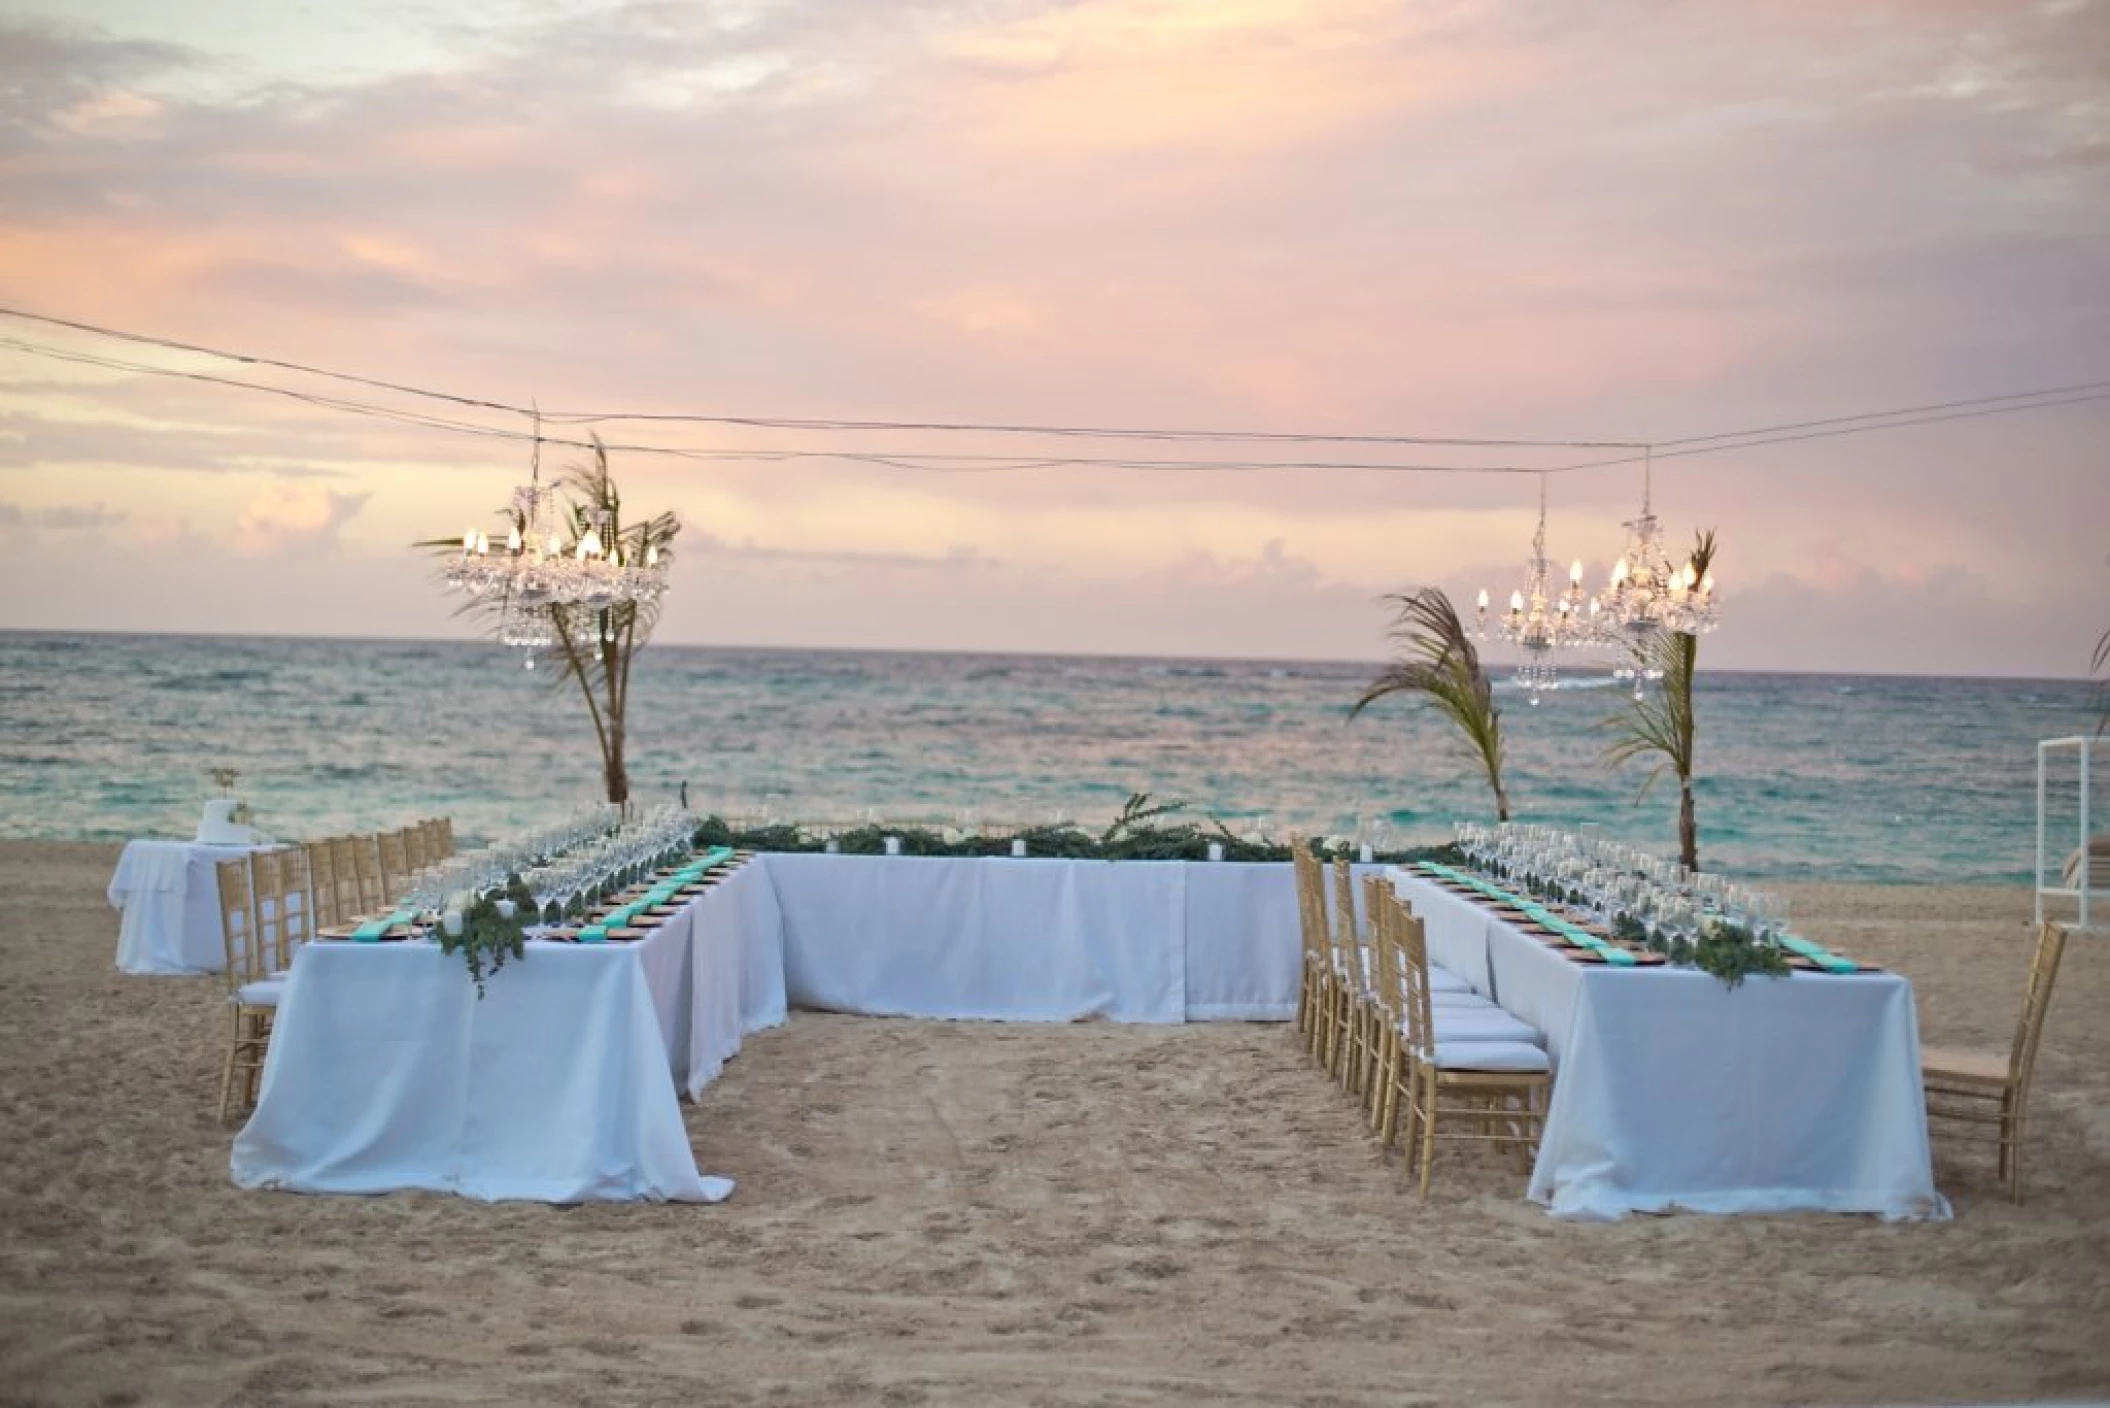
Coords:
pixel 932 463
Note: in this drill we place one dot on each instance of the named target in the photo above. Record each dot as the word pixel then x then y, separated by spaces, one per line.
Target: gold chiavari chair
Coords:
pixel 1344 981
pixel 446 831
pixel 322 881
pixel 1459 1013
pixel 1970 1090
pixel 366 866
pixel 1498 1089
pixel 344 860
pixel 252 993
pixel 285 906
pixel 416 848
pixel 1357 1048
pixel 395 864
pixel 1315 988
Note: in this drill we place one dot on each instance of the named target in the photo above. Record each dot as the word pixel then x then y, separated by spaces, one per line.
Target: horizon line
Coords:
pixel 1496 673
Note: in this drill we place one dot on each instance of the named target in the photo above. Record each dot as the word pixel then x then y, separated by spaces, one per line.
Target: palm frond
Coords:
pixel 1438 662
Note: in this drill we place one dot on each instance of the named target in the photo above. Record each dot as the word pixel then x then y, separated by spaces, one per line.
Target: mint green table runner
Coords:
pixel 661 893
pixel 1538 914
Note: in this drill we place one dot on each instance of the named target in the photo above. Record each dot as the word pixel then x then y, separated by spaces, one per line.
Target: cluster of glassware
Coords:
pixel 564 865
pixel 568 881
pixel 1614 883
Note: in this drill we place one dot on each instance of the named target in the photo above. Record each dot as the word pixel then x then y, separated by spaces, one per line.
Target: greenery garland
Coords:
pixel 1727 951
pixel 489 935
pixel 1139 833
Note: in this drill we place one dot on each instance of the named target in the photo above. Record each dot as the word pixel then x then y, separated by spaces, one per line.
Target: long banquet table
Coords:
pixel 169 905
pixel 386 1071
pixel 1673 1090
pixel 1039 939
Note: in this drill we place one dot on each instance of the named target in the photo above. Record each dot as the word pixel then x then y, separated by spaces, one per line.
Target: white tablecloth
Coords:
pixel 170 904
pixel 1673 1090
pixel 997 939
pixel 386 1072
pixel 1040 939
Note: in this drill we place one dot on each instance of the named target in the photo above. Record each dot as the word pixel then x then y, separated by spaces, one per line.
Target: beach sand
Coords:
pixel 966 1213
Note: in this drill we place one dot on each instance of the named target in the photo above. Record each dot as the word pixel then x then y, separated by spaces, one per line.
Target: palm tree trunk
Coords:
pixel 1501 801
pixel 1688 827
pixel 613 770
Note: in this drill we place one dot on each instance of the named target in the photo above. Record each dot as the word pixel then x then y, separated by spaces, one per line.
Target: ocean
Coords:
pixel 1829 777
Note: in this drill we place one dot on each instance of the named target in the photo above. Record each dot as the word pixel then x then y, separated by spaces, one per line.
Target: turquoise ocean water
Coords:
pixel 1883 779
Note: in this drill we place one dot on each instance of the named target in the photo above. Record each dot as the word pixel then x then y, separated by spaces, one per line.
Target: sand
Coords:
pixel 968 1213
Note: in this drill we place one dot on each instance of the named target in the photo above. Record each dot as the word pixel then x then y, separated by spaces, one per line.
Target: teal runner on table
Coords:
pixel 1538 914
pixel 662 893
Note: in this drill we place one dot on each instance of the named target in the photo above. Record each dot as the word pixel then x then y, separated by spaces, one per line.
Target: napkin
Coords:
pixel 1818 954
pixel 371 931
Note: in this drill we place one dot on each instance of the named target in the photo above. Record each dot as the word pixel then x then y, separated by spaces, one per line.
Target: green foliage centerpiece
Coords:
pixel 493 929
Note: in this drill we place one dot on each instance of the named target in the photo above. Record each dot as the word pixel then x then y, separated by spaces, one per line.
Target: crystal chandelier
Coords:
pixel 1647 593
pixel 535 570
pixel 1542 618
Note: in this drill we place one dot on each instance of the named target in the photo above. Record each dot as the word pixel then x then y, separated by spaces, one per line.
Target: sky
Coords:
pixel 1623 221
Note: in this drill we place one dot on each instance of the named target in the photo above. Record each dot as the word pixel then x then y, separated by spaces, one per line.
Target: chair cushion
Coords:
pixel 1505 1056
pixel 1444 980
pixel 1940 1064
pixel 1460 1002
pixel 1464 1024
pixel 264 992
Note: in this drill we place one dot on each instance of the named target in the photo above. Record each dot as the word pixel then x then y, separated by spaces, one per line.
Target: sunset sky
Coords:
pixel 1617 221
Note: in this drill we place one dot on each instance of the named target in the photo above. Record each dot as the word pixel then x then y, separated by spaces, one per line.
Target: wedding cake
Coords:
pixel 218 827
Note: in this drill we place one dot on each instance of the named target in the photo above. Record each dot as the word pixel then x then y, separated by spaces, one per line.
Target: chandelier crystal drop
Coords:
pixel 1543 618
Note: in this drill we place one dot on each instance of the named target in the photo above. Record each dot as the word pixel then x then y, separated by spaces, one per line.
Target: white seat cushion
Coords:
pixel 1464 1024
pixel 263 992
pixel 1444 980
pixel 1505 1056
pixel 1460 1002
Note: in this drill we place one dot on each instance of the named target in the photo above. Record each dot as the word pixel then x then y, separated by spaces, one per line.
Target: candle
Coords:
pixel 1216 850
pixel 893 845
pixel 1018 846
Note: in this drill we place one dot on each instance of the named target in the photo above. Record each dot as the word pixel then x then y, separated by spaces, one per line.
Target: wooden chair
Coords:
pixel 445 826
pixel 252 992
pixel 353 876
pixel 1359 1019
pixel 394 859
pixel 1315 987
pixel 416 852
pixel 363 862
pixel 1459 1014
pixel 1497 1089
pixel 436 849
pixel 322 881
pixel 285 905
pixel 1984 1095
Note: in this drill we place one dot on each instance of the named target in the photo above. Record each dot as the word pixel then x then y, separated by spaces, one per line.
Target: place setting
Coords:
pixel 1607 902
